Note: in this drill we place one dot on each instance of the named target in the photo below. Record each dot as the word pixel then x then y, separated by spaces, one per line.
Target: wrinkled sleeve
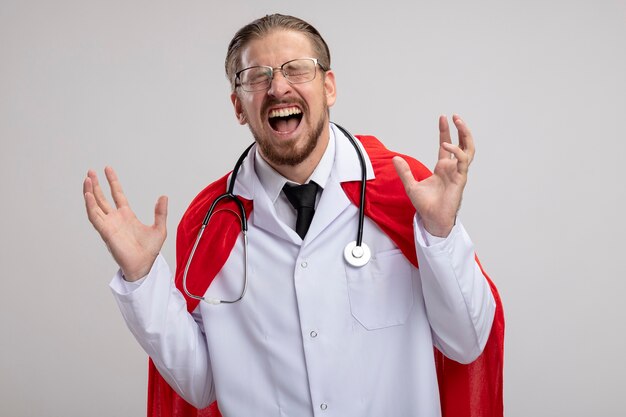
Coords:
pixel 156 314
pixel 459 301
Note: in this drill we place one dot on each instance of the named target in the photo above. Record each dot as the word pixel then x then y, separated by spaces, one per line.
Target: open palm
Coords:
pixel 437 198
pixel 134 245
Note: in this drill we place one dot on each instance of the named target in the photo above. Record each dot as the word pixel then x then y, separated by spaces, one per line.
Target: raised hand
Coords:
pixel 134 245
pixel 437 198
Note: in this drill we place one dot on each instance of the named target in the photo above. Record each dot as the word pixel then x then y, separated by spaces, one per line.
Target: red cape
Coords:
pixel 473 390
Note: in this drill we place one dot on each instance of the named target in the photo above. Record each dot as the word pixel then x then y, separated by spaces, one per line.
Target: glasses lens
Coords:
pixel 299 70
pixel 255 79
pixel 296 72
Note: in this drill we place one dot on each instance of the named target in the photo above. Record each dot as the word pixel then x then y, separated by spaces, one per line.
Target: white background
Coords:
pixel 139 85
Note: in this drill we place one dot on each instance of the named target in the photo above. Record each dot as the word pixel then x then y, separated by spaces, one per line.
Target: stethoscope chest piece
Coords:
pixel 357 255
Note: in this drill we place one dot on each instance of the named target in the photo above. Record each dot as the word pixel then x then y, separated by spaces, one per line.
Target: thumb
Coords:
pixel 160 213
pixel 404 172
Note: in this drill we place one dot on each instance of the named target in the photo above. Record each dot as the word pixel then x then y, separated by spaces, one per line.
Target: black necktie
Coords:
pixel 302 198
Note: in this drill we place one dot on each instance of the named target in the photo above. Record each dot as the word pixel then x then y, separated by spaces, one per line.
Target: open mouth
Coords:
pixel 285 120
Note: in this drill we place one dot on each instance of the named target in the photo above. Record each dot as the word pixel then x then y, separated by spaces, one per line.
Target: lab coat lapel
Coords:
pixel 264 215
pixel 332 203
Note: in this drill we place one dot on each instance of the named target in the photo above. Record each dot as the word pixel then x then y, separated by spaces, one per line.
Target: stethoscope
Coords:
pixel 356 253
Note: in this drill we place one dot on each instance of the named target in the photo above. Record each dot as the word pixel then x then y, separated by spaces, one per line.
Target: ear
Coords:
pixel 329 88
pixel 241 117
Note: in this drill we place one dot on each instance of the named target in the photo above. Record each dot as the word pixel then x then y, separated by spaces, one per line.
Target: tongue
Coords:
pixel 289 124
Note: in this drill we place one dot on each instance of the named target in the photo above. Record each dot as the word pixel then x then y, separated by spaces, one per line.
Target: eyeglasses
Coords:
pixel 296 71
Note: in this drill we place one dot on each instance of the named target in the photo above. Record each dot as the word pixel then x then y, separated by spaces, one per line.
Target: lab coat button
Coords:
pixel 313 333
pixel 304 264
pixel 323 406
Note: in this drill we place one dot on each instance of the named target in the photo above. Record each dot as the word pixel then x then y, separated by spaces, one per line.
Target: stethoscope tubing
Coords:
pixel 359 236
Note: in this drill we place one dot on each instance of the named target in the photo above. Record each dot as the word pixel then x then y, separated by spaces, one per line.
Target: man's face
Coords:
pixel 303 135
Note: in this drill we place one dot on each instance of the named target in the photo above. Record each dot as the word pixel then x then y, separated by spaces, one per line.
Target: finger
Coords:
pixel 466 140
pixel 404 172
pixel 97 192
pixel 116 188
pixel 87 184
pixel 94 213
pixel 160 213
pixel 462 158
pixel 444 136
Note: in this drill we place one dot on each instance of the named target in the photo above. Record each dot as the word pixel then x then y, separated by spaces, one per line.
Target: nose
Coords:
pixel 279 85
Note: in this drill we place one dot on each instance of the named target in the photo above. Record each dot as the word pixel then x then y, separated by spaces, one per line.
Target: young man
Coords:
pixel 314 334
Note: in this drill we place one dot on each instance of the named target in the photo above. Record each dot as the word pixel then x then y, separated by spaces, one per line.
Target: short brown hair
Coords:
pixel 263 26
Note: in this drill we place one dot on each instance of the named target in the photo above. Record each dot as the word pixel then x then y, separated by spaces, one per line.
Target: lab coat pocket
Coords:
pixel 381 292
